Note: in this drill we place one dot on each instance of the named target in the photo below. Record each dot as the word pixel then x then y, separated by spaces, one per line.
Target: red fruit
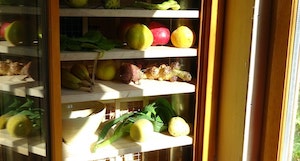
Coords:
pixel 161 34
pixel 123 28
pixel 2 29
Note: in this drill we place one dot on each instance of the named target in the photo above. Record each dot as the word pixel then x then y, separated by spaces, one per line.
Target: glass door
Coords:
pixel 23 81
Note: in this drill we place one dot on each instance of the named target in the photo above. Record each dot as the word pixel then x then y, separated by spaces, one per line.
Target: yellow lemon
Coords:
pixel 139 37
pixel 19 125
pixel 141 130
pixel 182 37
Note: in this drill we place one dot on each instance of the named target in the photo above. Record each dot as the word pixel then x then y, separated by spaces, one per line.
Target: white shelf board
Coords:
pixel 23 145
pixel 19 10
pixel 106 90
pixel 125 146
pixel 127 12
pixel 21 87
pixel 6 47
pixel 118 53
pixel 37 91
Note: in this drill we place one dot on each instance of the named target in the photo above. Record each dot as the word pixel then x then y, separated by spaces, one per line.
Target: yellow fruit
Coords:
pixel 139 37
pixel 178 126
pixel 182 37
pixel 106 70
pixel 15 33
pixel 19 125
pixel 141 130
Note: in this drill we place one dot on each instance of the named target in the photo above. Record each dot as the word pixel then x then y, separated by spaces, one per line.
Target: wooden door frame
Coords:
pixel 54 80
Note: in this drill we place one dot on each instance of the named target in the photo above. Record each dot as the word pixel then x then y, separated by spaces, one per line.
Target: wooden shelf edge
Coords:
pixel 106 90
pixel 6 47
pixel 118 53
pixel 19 87
pixel 128 12
pixel 23 145
pixel 126 146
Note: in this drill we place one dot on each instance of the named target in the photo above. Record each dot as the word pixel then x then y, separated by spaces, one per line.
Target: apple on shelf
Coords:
pixel 161 34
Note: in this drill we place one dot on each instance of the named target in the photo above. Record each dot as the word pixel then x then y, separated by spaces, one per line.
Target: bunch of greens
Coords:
pixel 159 113
pixel 90 41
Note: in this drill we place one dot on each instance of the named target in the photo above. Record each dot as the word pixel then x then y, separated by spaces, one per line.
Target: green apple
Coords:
pixel 76 3
pixel 106 70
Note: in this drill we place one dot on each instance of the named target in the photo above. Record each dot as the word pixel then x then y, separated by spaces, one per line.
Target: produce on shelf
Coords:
pixel 106 70
pixel 19 125
pixel 122 30
pixel 161 34
pixel 18 33
pixel 76 3
pixel 81 71
pixel 70 81
pixel 111 4
pixel 159 113
pixel 9 67
pixel 183 37
pixel 141 130
pixel 90 41
pixel 131 73
pixel 139 37
pixel 169 4
pixel 2 29
pixel 178 127
pixel 22 120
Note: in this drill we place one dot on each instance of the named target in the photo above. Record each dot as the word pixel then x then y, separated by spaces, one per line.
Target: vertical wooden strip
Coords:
pixel 234 79
pixel 54 80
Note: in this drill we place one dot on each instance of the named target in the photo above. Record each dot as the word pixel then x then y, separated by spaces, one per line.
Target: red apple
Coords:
pixel 122 30
pixel 161 34
pixel 2 29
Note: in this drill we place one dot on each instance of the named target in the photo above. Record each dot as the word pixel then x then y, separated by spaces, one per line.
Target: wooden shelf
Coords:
pixel 117 53
pixel 19 10
pixel 21 87
pixel 8 48
pixel 106 90
pixel 125 146
pixel 128 12
pixel 23 145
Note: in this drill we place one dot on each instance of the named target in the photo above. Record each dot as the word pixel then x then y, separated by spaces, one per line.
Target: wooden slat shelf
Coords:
pixel 19 87
pixel 106 90
pixel 125 146
pixel 117 53
pixel 8 48
pixel 23 145
pixel 128 12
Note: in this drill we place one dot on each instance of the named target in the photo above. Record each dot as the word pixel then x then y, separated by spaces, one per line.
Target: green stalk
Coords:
pixel 111 123
pixel 122 130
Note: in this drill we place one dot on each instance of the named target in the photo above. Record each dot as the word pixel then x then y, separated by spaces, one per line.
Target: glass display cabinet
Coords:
pixel 37 97
pixel 24 82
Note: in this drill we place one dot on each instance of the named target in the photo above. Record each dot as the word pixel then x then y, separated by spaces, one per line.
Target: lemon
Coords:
pixel 139 37
pixel 19 125
pixel 106 70
pixel 178 126
pixel 182 37
pixel 141 130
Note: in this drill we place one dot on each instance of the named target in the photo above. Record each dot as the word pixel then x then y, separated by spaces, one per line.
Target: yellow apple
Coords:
pixel 106 70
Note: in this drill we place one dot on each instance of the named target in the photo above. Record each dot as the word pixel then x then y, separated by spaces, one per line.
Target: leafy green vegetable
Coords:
pixel 90 41
pixel 159 112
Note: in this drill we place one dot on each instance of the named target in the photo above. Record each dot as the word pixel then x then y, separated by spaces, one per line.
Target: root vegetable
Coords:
pixel 130 73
